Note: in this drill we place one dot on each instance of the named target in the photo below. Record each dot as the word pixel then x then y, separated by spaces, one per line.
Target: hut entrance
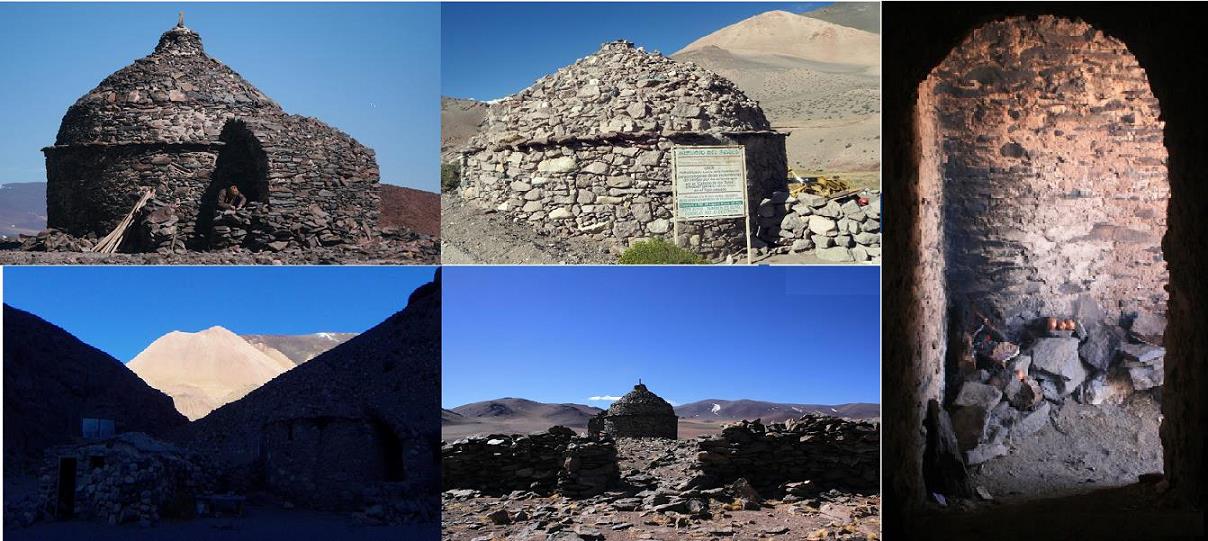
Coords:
pixel 1042 141
pixel 241 163
pixel 65 506
pixel 390 446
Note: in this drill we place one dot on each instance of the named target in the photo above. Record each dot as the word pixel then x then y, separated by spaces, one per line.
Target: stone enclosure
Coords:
pixel 543 462
pixel 585 152
pixel 186 126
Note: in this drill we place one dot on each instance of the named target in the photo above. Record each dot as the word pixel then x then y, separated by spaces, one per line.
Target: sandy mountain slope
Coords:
pixel 296 348
pixel 460 119
pixel 204 370
pixel 864 16
pixel 816 80
pixel 788 34
pixel 413 209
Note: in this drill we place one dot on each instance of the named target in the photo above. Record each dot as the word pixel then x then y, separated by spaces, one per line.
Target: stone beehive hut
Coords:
pixel 585 152
pixel 186 126
pixel 638 414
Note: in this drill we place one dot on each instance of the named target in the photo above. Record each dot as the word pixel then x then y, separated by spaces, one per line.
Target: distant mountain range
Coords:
pixel 734 410
pixel 23 209
pixel 519 416
pixel 204 370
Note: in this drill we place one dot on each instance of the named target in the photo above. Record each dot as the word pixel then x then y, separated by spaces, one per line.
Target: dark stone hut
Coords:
pixel 186 126
pixel 638 414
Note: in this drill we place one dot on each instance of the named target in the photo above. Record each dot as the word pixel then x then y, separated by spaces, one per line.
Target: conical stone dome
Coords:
pixel 177 94
pixel 640 401
pixel 621 89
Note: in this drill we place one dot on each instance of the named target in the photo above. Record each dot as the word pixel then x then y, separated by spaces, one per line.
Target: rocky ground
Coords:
pixel 1082 448
pixel 655 505
pixel 470 235
pixel 421 250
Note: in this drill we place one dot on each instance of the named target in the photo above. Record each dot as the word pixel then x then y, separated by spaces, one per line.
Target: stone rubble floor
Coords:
pixel 1082 448
pixel 667 464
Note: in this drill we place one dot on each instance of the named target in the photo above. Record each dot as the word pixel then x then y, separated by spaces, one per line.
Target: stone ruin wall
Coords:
pixel 640 426
pixel 556 460
pixel 615 190
pixel 1054 172
pixel 828 452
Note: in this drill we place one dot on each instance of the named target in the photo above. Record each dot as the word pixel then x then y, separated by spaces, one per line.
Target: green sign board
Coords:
pixel 710 182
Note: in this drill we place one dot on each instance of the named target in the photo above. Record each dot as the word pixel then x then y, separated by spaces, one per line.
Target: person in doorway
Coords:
pixel 229 198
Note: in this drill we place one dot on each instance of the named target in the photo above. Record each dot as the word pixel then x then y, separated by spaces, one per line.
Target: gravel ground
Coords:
pixel 470 236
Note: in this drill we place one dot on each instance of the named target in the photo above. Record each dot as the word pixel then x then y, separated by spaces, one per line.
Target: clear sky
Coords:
pixel 121 310
pixel 371 70
pixel 558 334
pixel 492 50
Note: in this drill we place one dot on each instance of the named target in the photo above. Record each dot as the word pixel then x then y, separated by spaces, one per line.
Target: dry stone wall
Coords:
pixel 586 151
pixel 838 230
pixel 556 460
pixel 826 452
pixel 1054 172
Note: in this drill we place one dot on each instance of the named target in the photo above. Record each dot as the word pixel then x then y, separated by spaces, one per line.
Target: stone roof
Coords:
pixel 621 90
pixel 177 94
pixel 640 401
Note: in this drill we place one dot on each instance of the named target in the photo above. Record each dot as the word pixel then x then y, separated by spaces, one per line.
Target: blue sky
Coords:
pixel 121 310
pixel 556 334
pixel 491 50
pixel 371 70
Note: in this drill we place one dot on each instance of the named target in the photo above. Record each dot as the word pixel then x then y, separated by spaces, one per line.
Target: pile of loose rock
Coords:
pixel 838 230
pixel 811 454
pixel 1008 392
pixel 556 460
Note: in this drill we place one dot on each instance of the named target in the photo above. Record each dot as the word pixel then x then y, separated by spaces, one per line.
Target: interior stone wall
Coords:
pixel 1159 38
pixel 1054 173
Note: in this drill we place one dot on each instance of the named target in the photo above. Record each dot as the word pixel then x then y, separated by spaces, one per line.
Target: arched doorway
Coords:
pixel 1043 179
pixel 241 163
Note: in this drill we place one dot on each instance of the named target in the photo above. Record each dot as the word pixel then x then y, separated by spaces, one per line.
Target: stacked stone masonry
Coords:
pixel 1054 172
pixel 186 126
pixel 837 230
pixel 127 478
pixel 638 414
pixel 586 151
pixel 556 460
pixel 826 452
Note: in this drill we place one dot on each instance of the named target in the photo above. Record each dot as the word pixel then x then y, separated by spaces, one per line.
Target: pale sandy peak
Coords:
pixel 204 370
pixel 788 34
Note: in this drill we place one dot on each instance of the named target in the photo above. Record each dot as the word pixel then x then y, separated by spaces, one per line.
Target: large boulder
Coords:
pixel 1056 359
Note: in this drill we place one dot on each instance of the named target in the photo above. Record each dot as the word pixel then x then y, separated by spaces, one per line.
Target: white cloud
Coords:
pixel 605 398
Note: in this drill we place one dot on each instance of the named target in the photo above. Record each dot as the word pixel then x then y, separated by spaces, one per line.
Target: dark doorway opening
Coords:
pixel 390 445
pixel 65 507
pixel 241 163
